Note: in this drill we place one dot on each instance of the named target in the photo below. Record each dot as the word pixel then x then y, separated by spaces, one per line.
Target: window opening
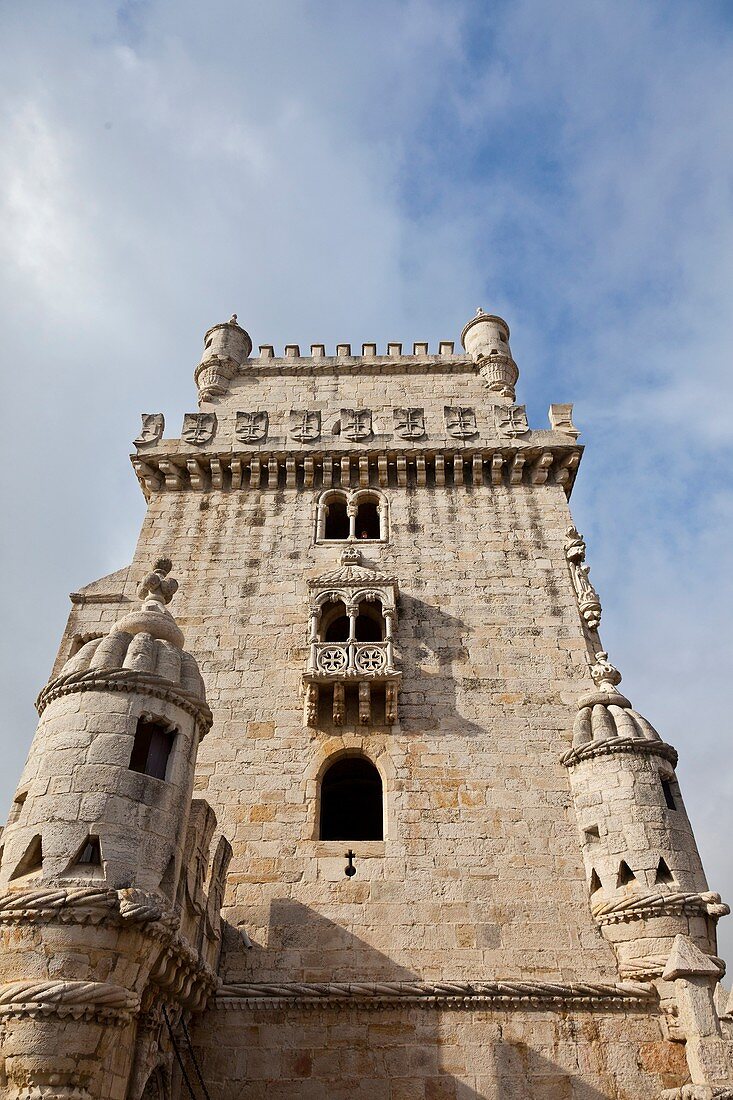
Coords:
pixel 91 853
pixel 668 794
pixel 17 808
pixel 663 873
pixel 351 801
pixel 336 628
pixel 367 520
pixel 595 882
pixel 31 861
pixel 592 834
pixel 337 520
pixel 625 874
pixel 151 749
pixel 368 626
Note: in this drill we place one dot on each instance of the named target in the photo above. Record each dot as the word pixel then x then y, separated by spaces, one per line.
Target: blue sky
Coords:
pixel 350 172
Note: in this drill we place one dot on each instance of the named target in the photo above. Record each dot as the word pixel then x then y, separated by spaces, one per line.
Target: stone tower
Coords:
pixel 461 867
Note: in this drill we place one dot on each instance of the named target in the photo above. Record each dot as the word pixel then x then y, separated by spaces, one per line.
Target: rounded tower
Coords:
pixel 101 936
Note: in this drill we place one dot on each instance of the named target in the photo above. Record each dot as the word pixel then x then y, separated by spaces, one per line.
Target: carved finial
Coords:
pixel 351 555
pixel 605 675
pixel 155 586
pixel 233 319
pixel 479 312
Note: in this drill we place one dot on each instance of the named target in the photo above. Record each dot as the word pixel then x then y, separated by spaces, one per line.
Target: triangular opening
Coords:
pixel 663 875
pixel 625 874
pixel 595 882
pixel 592 834
pixel 90 853
pixel 32 860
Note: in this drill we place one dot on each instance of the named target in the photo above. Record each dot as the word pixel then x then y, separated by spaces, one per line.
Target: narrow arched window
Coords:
pixel 369 623
pixel 334 622
pixel 351 801
pixel 367 520
pixel 337 520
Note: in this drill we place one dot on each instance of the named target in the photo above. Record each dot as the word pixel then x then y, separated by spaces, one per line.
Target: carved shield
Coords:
pixel 198 428
pixel 251 426
pixel 460 421
pixel 305 426
pixel 409 423
pixel 356 424
pixel 511 420
pixel 152 429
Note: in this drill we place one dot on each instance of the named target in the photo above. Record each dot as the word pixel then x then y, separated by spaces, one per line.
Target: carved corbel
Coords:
pixel 497 466
pixel 308 473
pixel 339 704
pixel 516 467
pixel 478 469
pixel 365 703
pixel 148 476
pixel 566 467
pixel 196 473
pixel 174 476
pixel 541 468
pixel 217 473
pixel 440 471
pixel 402 472
pixel 458 470
pixel 383 471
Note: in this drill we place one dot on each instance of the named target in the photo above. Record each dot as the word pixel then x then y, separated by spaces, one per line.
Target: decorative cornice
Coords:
pixel 522 462
pixel 614 745
pixel 430 994
pixel 648 967
pixel 660 904
pixel 143 683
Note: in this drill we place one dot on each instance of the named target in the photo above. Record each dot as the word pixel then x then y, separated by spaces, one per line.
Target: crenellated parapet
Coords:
pixel 109 892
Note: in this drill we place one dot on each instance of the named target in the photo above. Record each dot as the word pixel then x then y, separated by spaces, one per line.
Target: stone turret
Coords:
pixel 226 346
pixel 108 927
pixel 648 891
pixel 486 339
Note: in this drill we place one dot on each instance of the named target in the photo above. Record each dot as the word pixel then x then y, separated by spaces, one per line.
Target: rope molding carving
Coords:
pixel 431 994
pixel 82 905
pixel 648 967
pixel 68 998
pixel 619 744
pixel 127 680
pixel 645 905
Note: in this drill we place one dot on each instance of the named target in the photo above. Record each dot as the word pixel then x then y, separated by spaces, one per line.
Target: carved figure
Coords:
pixel 356 424
pixel 305 426
pixel 588 601
pixel 409 423
pixel 152 429
pixel 198 428
pixel 511 420
pixel 460 421
pixel 251 426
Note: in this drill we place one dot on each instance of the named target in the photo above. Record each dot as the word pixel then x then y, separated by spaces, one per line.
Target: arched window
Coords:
pixel 348 516
pixel 369 623
pixel 334 622
pixel 351 801
pixel 367 519
pixel 151 749
pixel 336 524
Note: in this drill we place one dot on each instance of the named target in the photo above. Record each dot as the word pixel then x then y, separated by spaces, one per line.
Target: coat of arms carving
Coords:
pixel 356 424
pixel 409 423
pixel 305 426
pixel 251 426
pixel 198 428
pixel 460 421
pixel 511 420
pixel 152 429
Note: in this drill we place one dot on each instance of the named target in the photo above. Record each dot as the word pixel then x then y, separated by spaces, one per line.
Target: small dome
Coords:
pixel 148 640
pixel 612 717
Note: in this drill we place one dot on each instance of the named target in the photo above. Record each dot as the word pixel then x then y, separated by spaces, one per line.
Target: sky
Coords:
pixel 343 172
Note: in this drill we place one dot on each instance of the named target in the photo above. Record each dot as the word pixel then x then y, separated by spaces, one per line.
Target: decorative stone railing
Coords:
pixel 336 660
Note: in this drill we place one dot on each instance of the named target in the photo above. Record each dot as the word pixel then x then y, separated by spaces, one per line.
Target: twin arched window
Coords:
pixel 351 801
pixel 346 517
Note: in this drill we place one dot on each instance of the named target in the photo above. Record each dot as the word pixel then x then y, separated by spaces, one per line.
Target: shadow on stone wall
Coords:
pixel 283 1050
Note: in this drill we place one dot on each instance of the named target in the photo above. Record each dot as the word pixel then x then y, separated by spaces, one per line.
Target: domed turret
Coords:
pixel 122 722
